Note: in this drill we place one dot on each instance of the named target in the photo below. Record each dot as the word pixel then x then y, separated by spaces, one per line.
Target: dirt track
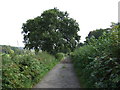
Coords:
pixel 61 76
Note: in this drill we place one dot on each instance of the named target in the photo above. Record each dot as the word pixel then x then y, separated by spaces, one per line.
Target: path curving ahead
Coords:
pixel 61 76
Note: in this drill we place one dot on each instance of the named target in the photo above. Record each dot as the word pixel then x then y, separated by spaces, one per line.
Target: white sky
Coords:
pixel 90 14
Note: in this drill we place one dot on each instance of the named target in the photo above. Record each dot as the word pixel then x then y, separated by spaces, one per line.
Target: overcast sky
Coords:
pixel 90 14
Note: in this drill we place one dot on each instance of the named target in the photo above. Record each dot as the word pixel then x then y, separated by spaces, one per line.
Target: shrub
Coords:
pixel 24 71
pixel 60 56
pixel 97 63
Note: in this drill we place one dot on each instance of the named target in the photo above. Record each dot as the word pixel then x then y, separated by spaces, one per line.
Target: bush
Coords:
pixel 98 63
pixel 24 71
pixel 60 56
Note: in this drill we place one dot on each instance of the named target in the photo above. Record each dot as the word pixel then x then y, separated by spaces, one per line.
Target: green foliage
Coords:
pixel 96 34
pixel 25 70
pixel 53 32
pixel 10 49
pixel 98 63
pixel 60 56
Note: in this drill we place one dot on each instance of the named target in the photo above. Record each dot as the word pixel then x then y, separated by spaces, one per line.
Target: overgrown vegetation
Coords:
pixel 25 70
pixel 98 62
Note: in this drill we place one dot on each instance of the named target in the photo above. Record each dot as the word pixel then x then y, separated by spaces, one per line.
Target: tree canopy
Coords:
pixel 53 32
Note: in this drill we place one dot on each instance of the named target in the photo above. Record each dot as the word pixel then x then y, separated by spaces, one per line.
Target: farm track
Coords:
pixel 61 76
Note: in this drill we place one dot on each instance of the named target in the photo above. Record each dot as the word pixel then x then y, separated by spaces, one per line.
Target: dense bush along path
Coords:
pixel 61 76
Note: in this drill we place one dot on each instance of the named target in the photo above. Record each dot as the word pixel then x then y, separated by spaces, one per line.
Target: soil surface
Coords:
pixel 61 76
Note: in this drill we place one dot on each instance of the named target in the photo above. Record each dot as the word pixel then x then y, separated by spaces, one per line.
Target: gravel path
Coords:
pixel 61 76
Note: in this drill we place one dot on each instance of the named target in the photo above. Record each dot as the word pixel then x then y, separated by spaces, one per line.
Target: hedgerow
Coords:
pixel 25 70
pixel 98 63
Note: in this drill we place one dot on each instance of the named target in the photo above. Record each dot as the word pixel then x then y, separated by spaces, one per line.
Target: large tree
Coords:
pixel 53 32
